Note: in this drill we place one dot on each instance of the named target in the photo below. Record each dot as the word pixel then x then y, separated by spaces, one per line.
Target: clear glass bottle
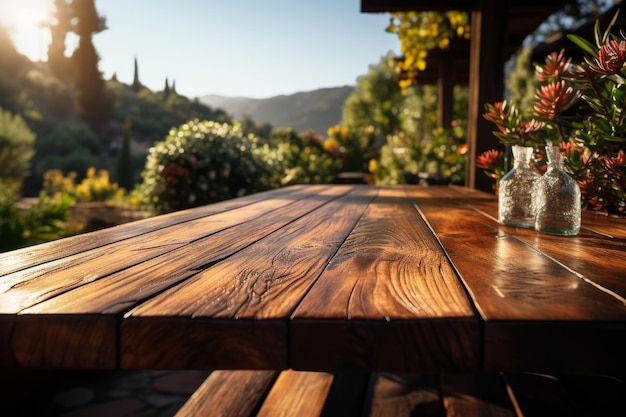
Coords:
pixel 515 196
pixel 556 198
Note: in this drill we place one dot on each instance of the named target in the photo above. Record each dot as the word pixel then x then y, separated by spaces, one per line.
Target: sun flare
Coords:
pixel 23 21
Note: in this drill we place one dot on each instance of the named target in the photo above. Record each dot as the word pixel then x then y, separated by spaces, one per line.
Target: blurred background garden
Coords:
pixel 79 152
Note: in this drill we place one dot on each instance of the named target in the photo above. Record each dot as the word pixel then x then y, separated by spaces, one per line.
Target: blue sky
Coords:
pixel 251 48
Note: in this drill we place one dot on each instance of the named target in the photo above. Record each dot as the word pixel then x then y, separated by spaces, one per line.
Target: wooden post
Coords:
pixel 445 91
pixel 486 83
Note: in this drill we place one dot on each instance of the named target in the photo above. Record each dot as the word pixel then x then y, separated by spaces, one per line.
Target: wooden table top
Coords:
pixel 323 277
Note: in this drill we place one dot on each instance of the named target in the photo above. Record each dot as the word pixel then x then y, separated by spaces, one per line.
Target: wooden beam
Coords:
pixel 488 38
pixel 382 6
pixel 445 91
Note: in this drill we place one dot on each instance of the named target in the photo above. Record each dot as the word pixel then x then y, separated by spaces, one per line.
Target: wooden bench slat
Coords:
pixel 403 396
pixel 301 394
pixel 475 395
pixel 542 395
pixel 393 259
pixel 229 394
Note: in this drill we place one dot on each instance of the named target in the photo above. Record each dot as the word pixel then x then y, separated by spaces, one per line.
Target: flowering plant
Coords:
pixel 579 106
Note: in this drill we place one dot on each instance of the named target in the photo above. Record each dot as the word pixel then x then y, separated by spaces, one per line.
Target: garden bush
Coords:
pixel 201 162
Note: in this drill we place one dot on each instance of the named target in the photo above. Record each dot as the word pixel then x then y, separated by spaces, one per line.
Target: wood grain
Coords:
pixel 26 288
pixel 533 304
pixel 301 394
pixel 229 394
pixel 388 285
pixel 257 285
pixel 39 254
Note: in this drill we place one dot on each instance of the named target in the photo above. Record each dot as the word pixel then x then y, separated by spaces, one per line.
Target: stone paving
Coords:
pixel 100 393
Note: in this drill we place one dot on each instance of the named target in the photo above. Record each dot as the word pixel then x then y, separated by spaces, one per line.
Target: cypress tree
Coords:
pixel 58 63
pixel 166 90
pixel 124 169
pixel 90 99
pixel 136 86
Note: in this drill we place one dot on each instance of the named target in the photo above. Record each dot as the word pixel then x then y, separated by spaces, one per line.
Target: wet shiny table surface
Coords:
pixel 323 277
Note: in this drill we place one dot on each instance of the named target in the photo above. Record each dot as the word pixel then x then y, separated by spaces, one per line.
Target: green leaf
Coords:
pixel 603 125
pixel 584 44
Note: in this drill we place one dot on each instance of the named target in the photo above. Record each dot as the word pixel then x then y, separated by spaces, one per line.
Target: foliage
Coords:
pixel 43 221
pixel 16 147
pixel 201 162
pixel 124 170
pixel 436 157
pixel 371 113
pixel 70 146
pixel 97 186
pixel 92 103
pixel 581 107
pixel 421 32
pixel 396 131
pixel 299 158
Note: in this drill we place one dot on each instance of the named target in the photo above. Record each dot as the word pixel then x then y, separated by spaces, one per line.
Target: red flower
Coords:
pixel 611 57
pixel 488 159
pixel 554 98
pixel 614 162
pixel 173 172
pixel 556 65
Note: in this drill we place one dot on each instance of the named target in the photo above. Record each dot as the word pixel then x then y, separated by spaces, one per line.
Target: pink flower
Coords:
pixel 556 65
pixel 173 172
pixel 554 98
pixel 611 57
pixel 488 159
pixel 614 162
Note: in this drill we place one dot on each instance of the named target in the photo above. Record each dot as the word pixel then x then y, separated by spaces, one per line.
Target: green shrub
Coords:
pixel 16 147
pixel 300 158
pixel 43 221
pixel 201 162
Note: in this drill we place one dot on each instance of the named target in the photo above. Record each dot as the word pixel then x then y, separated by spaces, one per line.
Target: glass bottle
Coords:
pixel 557 198
pixel 515 206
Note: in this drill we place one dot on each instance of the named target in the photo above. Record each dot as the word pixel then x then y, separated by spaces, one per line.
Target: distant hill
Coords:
pixel 314 110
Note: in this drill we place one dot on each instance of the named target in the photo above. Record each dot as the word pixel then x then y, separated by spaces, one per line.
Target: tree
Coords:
pixel 16 148
pixel 58 63
pixel 373 110
pixel 421 32
pixel 136 86
pixel 124 169
pixel 92 103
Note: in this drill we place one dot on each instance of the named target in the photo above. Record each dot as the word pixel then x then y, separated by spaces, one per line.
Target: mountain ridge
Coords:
pixel 315 110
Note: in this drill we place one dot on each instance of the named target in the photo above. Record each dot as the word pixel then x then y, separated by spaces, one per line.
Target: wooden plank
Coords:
pixel 301 394
pixel 22 289
pixel 532 304
pixel 229 394
pixel 58 341
pixel 34 255
pixel 479 395
pixel 102 301
pixel 389 281
pixel 595 254
pixel 401 395
pixel 542 395
pixel 257 288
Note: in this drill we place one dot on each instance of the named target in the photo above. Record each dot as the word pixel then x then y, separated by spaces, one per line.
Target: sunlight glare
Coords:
pixel 22 19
